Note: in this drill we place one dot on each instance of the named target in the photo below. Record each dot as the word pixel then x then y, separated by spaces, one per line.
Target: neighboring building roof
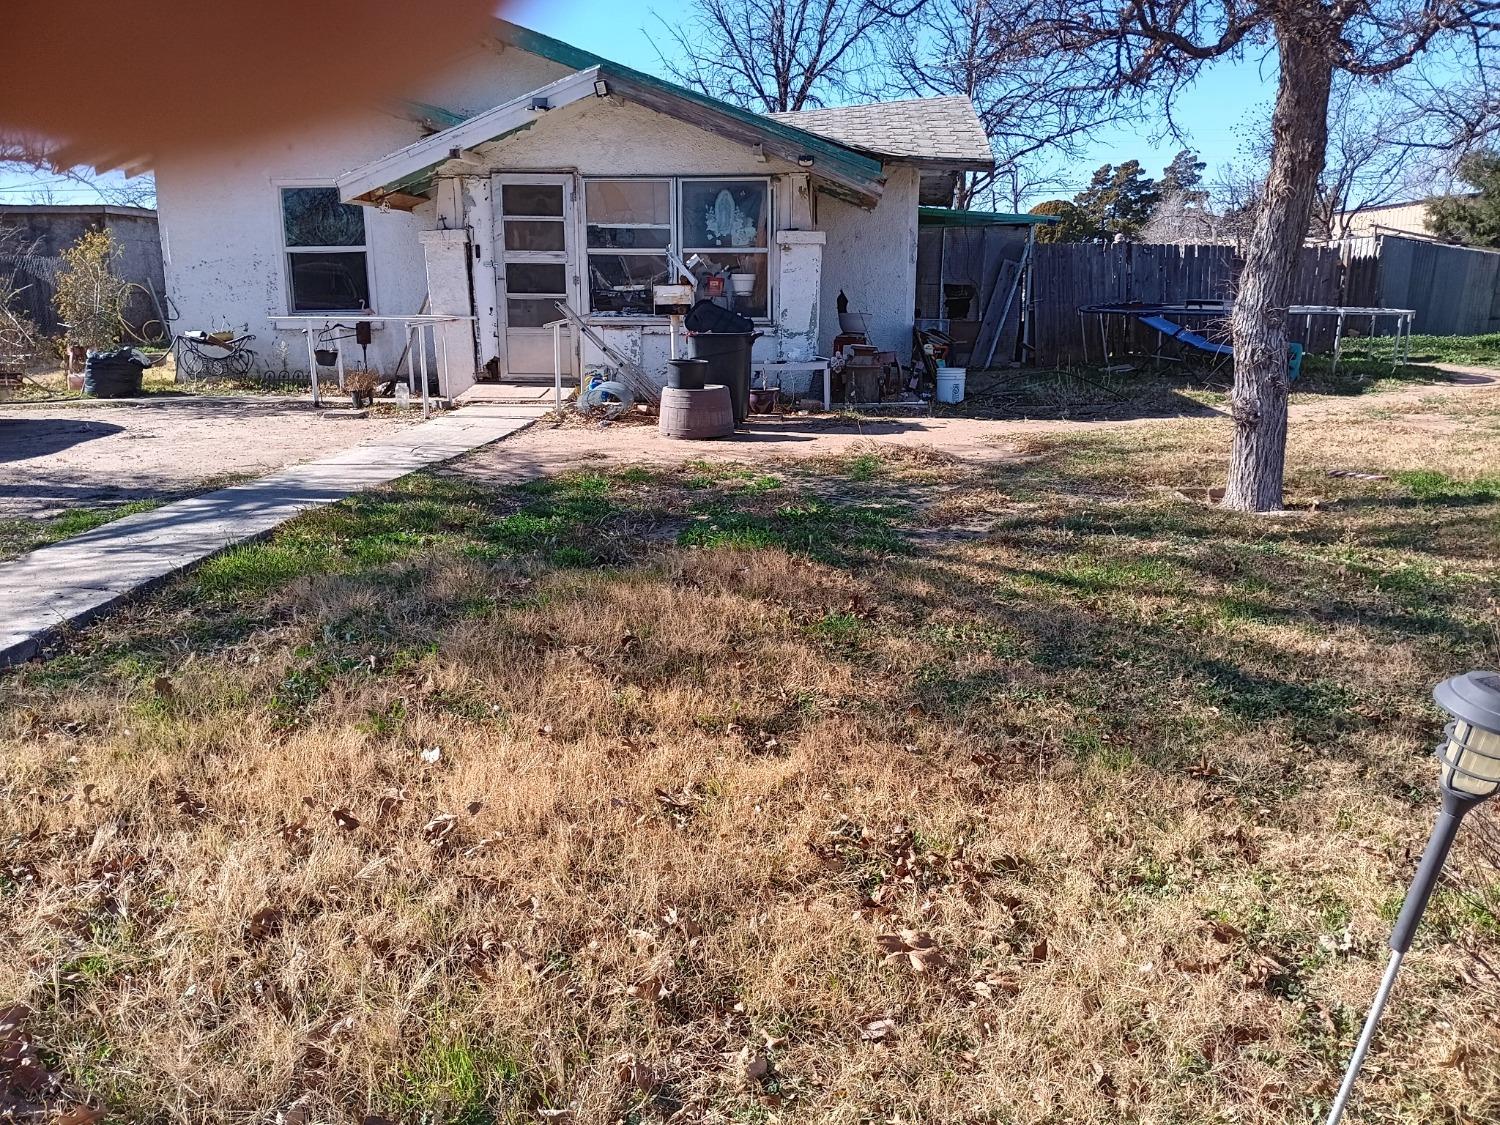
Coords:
pixel 1423 202
pixel 929 130
pixel 951 217
pixel 116 209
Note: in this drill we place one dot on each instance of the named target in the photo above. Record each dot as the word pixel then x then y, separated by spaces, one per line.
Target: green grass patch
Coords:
pixel 458 1079
pixel 1436 487
pixel 826 530
pixel 17 536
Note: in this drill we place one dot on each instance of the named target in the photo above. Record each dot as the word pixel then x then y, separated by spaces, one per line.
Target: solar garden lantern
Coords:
pixel 1470 759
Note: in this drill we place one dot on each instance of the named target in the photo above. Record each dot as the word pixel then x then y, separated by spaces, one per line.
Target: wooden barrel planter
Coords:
pixel 696 415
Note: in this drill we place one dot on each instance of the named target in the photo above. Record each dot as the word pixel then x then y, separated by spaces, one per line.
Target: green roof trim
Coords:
pixel 849 163
pixel 952 217
pixel 426 113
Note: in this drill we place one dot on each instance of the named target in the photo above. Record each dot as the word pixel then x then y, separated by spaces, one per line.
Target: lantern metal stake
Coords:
pixel 1470 759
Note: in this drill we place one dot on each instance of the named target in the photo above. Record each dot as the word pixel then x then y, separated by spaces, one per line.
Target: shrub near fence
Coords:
pixel 1068 275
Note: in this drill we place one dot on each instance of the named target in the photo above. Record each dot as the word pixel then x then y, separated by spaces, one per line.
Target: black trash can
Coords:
pixel 728 355
pixel 115 374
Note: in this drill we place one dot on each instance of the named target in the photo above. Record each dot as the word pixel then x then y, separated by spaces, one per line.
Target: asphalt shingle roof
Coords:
pixel 935 129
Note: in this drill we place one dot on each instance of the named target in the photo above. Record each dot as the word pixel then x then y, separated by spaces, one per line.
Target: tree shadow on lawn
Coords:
pixel 1102 636
pixel 22 439
pixel 1099 604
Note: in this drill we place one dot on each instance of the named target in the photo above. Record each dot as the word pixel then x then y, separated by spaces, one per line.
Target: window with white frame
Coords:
pixel 631 224
pixel 727 224
pixel 327 268
pixel 629 227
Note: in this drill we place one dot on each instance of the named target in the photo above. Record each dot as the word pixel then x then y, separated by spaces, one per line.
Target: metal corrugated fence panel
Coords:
pixel 1455 290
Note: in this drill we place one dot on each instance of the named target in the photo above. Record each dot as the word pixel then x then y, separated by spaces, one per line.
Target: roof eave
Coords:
pixel 947 163
pixel 412 166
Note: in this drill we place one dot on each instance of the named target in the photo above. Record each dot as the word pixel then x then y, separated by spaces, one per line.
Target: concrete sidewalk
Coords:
pixel 70 582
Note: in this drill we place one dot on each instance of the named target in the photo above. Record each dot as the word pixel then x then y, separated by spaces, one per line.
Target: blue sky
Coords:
pixel 1211 114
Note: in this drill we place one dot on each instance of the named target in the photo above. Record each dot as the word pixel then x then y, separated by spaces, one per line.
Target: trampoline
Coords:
pixel 1169 321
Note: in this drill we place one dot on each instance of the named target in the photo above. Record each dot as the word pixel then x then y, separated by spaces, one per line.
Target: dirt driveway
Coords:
pixel 548 448
pixel 55 458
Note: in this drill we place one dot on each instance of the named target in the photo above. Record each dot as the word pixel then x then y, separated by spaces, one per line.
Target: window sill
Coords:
pixel 661 322
pixel 302 320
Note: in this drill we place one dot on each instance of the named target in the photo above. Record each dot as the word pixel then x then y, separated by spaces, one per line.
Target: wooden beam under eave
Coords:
pixel 395 200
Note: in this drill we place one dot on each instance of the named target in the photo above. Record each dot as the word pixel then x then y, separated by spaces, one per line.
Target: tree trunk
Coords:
pixel 1258 402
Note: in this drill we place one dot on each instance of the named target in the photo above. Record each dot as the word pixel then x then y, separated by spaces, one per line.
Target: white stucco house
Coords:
pixel 529 172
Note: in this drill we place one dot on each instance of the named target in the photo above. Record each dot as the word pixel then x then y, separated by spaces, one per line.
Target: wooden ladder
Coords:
pixel 632 374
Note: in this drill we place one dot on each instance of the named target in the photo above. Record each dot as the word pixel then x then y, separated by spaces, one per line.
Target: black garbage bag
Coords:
pixel 114 374
pixel 706 316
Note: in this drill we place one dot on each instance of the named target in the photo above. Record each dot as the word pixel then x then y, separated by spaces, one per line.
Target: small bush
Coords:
pixel 89 295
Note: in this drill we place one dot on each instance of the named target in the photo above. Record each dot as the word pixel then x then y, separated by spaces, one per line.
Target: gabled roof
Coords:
pixel 399 177
pixel 942 131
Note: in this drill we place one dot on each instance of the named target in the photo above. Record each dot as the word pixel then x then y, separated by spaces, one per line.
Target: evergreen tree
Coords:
pixel 1471 220
pixel 1183 178
pixel 1120 199
pixel 1073 223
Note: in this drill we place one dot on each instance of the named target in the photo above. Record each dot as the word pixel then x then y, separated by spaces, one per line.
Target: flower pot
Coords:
pixel 763 400
pixel 326 357
pixel 742 284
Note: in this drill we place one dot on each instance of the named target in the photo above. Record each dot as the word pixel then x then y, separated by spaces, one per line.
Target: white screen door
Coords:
pixel 534 236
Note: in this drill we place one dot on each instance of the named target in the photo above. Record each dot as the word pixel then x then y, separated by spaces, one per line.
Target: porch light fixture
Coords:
pixel 601 88
pixel 804 161
pixel 1470 775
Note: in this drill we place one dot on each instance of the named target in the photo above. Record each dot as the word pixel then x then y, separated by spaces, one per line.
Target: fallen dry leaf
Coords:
pixel 631 1071
pixel 877 1029
pixel 79 1115
pixel 263 923
pixel 915 947
pixel 345 819
pixel 752 1064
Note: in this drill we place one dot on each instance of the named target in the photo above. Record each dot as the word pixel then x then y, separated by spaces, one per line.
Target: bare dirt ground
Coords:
pixel 59 458
pixel 548 447
pixel 54 459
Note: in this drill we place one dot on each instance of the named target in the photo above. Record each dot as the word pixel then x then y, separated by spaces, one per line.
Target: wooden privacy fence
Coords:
pixel 1068 275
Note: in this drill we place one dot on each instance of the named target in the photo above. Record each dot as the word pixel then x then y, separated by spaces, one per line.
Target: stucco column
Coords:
pixel 447 256
pixel 799 282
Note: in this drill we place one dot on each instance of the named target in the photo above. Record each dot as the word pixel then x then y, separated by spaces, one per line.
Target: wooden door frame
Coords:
pixel 572 235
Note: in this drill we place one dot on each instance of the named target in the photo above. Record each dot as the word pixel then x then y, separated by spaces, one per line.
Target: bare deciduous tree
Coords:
pixel 1030 113
pixel 1155 48
pixel 1367 162
pixel 778 55
pixel 1183 219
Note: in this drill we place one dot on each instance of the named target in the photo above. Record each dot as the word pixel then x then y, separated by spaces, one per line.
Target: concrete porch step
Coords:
pixel 532 393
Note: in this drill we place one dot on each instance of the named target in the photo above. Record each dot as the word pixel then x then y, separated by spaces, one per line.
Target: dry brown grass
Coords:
pixel 655 797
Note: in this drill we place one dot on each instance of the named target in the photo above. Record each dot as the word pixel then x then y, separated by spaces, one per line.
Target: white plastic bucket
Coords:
pixel 950 383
